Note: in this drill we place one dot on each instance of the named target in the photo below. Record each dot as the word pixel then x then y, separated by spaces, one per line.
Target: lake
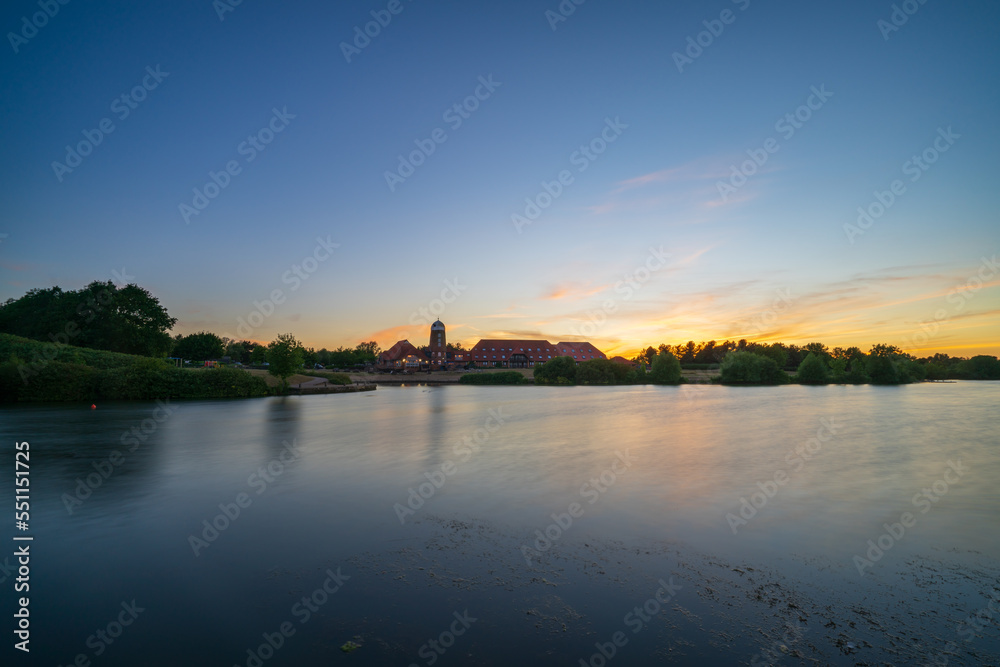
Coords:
pixel 515 525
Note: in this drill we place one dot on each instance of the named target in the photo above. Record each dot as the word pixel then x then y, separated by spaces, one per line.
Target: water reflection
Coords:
pixel 696 459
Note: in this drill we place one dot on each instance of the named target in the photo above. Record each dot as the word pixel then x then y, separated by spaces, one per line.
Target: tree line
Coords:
pixel 744 362
pixel 130 320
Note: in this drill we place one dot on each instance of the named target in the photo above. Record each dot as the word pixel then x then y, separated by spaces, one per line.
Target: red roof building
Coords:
pixel 403 355
pixel 528 353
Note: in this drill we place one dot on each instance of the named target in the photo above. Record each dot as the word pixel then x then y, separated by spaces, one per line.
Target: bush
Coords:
pixel 666 369
pixel 561 370
pixel 742 367
pixel 501 377
pixel 812 370
pixel 332 378
pixel 111 376
pixel 881 370
pixel 980 367
pixel 601 371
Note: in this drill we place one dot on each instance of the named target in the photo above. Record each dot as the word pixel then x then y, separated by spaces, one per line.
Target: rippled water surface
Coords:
pixel 691 525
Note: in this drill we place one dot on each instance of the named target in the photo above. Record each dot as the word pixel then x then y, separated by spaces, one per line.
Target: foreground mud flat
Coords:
pixel 462 592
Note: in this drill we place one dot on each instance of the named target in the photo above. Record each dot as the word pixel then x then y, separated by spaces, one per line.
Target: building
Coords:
pixel 623 360
pixel 528 353
pixel 402 356
pixel 438 345
pixel 488 352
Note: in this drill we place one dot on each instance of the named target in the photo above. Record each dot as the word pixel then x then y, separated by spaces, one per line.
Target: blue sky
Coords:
pixel 772 261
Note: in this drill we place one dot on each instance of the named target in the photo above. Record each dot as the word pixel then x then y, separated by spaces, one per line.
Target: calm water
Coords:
pixel 657 475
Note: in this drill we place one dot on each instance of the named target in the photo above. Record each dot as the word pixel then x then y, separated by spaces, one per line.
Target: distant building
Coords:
pixel 623 360
pixel 528 353
pixel 438 345
pixel 402 356
pixel 487 352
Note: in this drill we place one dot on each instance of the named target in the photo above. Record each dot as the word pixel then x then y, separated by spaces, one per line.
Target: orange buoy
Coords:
pixel 93 406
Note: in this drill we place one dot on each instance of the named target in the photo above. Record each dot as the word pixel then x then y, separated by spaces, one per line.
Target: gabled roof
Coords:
pixel 401 349
pixel 496 349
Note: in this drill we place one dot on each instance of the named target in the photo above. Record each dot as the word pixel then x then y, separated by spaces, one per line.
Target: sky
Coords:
pixel 629 173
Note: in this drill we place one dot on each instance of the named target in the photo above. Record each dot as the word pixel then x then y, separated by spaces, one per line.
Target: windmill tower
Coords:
pixel 438 345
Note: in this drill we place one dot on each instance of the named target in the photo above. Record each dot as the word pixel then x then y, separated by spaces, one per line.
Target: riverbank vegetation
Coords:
pixel 499 377
pixel 816 364
pixel 36 371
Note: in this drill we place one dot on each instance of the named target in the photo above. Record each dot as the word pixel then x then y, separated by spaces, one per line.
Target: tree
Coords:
pixel 812 370
pixel 258 355
pixel 561 370
pixel 285 356
pixel 818 349
pixel 601 371
pixel 100 316
pixel 776 351
pixel 366 352
pixel 741 367
pixel 706 355
pixel 237 350
pixel 880 366
pixel 199 346
pixel 980 367
pixel 666 369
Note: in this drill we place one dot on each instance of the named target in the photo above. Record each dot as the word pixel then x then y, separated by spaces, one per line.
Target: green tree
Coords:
pixel 238 351
pixel 741 367
pixel 666 369
pixel 812 370
pixel 285 355
pixel 980 367
pixel 366 352
pixel 601 371
pixel 778 352
pixel 561 370
pixel 199 346
pixel 100 316
pixel 881 365
pixel 258 355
